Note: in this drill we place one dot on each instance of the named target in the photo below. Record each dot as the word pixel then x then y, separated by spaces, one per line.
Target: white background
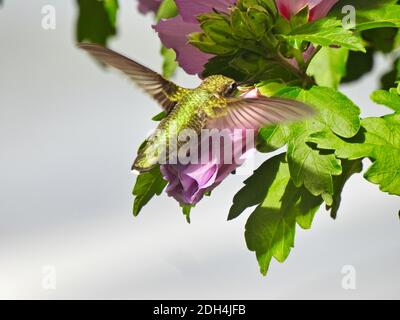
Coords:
pixel 68 135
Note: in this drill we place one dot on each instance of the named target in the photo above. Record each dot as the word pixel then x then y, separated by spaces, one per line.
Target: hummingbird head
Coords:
pixel 220 85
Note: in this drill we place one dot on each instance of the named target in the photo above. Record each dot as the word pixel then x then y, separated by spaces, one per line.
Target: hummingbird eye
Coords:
pixel 231 89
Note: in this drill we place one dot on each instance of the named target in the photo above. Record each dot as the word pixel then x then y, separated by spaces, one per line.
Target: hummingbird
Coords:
pixel 214 104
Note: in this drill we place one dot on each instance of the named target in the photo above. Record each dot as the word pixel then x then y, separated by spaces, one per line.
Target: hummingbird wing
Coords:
pixel 255 113
pixel 165 92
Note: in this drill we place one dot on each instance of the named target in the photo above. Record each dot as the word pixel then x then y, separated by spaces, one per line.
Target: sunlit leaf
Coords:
pixel 96 20
pixel 148 184
pixel 270 229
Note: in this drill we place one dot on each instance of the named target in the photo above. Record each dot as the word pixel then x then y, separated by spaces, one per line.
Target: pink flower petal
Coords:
pixel 322 9
pixel 146 6
pixel 190 9
pixel 173 34
pixel 318 8
pixel 289 8
pixel 204 175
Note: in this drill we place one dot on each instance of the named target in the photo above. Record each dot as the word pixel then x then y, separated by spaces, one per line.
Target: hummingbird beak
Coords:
pixel 245 83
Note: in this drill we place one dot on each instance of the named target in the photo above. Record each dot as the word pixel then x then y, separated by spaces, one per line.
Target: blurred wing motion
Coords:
pixel 255 113
pixel 165 92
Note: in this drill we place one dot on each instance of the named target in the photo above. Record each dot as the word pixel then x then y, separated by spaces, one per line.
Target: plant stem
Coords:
pixel 297 72
pixel 316 50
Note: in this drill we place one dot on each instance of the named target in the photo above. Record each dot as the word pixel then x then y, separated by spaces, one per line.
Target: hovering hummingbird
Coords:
pixel 212 105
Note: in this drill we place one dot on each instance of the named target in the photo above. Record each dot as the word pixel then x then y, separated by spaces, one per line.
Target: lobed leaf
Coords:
pixel 326 32
pixel 390 79
pixel 169 62
pixel 328 67
pixel 380 17
pixel 148 184
pixel 270 229
pixel 310 167
pixel 349 168
pixel 96 20
pixel 386 98
pixel 168 10
pixel 358 65
pixel 379 140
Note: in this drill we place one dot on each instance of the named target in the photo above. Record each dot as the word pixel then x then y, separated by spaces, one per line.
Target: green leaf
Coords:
pixel 111 7
pixel 326 32
pixel 351 149
pixel 380 17
pixel 272 138
pixel 270 88
pixel 396 42
pixel 391 100
pixel 329 66
pixel 270 229
pixel 378 140
pixel 370 14
pixel 381 39
pixel 349 168
pixel 389 79
pixel 96 20
pixel 358 65
pixel 186 209
pixel 360 5
pixel 169 62
pixel 148 184
pixel 167 10
pixel 308 166
pixel 159 117
pixel 255 189
pixel 335 110
pixel 301 18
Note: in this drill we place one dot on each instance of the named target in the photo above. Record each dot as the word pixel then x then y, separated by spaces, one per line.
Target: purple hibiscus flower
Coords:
pixel 189 183
pixel 318 8
pixel 146 6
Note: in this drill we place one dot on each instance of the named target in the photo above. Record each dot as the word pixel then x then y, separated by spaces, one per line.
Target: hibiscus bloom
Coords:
pixel 318 8
pixel 146 6
pixel 188 183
